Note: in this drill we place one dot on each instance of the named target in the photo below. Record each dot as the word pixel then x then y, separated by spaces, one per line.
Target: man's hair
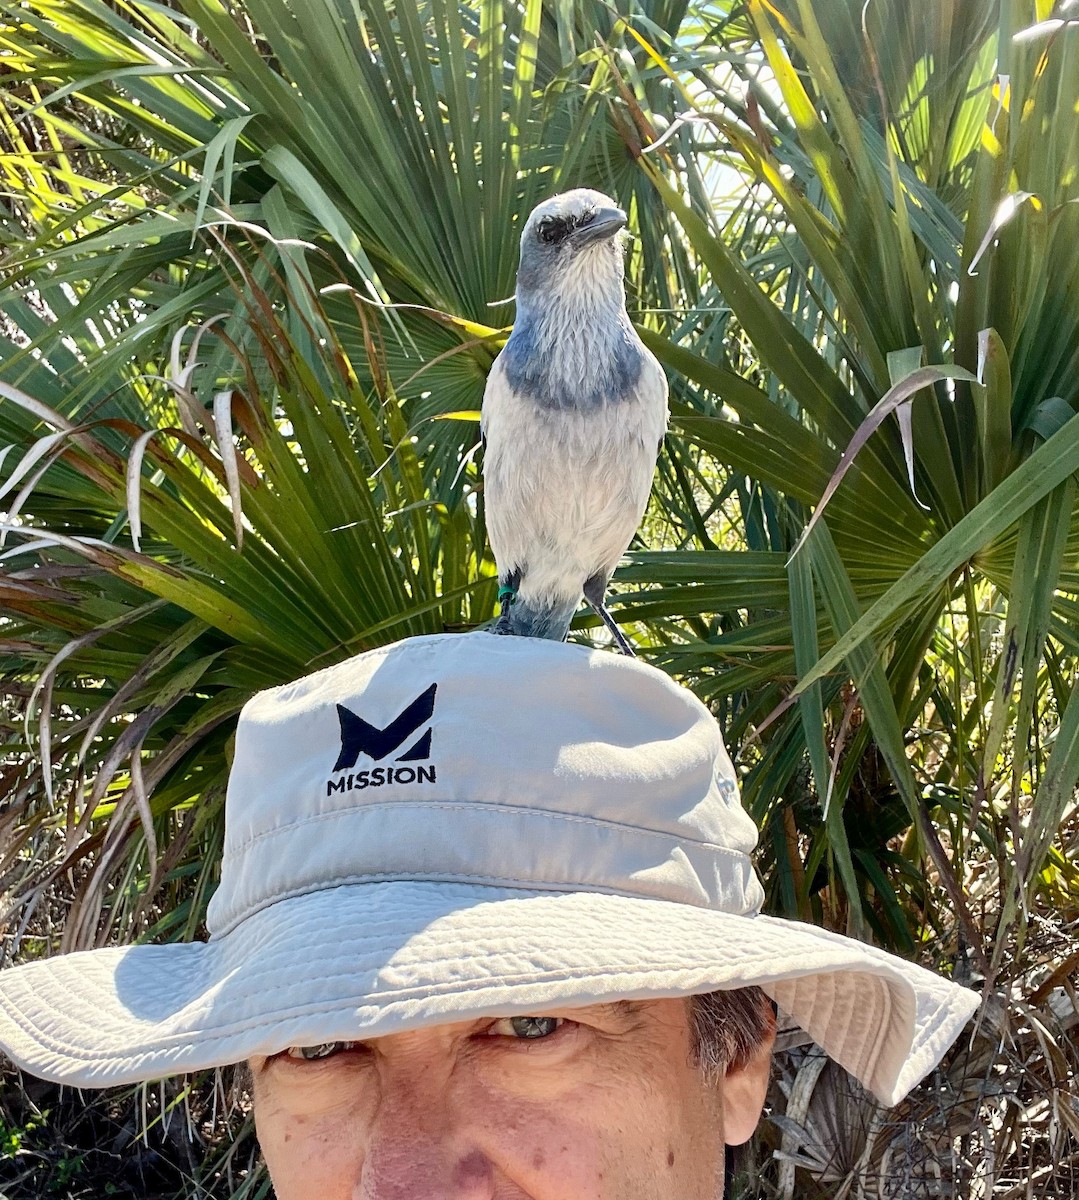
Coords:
pixel 729 1027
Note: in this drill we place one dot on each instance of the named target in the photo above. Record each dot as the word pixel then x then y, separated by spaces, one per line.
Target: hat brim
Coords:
pixel 363 961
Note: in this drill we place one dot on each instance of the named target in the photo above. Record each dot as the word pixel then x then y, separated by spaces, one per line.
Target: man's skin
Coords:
pixel 598 1103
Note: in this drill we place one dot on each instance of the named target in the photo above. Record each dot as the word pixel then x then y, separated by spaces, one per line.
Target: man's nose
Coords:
pixel 416 1150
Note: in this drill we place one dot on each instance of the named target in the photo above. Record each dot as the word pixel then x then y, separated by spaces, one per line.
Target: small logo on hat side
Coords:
pixel 361 737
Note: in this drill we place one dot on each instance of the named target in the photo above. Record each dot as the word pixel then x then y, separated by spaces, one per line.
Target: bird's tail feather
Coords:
pixel 543 621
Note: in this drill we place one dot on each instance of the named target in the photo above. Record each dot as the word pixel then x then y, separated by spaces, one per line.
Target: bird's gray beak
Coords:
pixel 606 223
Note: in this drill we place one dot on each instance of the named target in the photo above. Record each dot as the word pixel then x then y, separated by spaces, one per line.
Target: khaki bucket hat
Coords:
pixel 467 825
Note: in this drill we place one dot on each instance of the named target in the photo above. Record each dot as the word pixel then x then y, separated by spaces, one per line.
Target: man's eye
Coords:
pixel 527 1028
pixel 323 1050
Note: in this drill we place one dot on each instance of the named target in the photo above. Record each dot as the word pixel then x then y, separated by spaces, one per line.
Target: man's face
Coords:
pixel 598 1103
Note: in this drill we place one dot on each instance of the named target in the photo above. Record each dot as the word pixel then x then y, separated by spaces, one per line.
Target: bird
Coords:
pixel 573 418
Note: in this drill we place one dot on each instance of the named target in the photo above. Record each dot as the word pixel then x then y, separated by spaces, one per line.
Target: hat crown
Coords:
pixel 473 758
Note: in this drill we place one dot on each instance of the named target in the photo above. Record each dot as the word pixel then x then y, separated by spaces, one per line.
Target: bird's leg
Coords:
pixel 602 612
pixel 507 597
pixel 594 591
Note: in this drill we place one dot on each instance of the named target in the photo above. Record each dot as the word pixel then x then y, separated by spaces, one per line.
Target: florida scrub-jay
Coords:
pixel 574 414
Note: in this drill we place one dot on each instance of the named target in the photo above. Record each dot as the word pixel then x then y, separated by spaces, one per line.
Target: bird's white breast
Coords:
pixel 565 490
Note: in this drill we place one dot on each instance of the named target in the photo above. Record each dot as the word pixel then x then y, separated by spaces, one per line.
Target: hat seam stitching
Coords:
pixel 878 1049
pixel 568 887
pixel 479 806
pixel 31 1029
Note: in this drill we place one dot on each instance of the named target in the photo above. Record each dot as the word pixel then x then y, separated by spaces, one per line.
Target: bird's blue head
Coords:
pixel 572 346
pixel 571 249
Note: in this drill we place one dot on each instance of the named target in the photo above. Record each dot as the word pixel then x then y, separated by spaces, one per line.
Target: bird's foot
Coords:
pixel 622 640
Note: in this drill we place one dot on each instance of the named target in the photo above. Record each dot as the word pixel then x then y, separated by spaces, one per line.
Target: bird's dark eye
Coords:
pixel 552 229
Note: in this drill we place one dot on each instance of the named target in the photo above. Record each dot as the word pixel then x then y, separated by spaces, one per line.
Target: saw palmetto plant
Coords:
pixel 257 259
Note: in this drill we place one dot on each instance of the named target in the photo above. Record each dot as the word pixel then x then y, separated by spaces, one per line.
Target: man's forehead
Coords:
pixel 612 1016
pixel 616 1016
pixel 604 1008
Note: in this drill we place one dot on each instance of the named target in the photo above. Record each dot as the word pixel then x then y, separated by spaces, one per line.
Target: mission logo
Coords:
pixel 361 738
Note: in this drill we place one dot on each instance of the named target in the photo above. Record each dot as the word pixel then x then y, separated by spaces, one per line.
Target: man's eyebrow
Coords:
pixel 617 1008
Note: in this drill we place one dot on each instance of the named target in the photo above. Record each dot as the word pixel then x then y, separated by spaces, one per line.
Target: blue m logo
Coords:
pixel 361 737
